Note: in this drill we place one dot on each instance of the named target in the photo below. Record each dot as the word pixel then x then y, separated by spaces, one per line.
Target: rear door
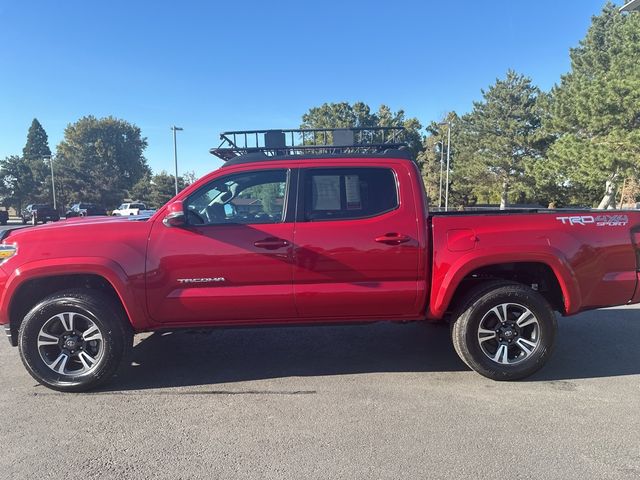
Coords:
pixel 356 243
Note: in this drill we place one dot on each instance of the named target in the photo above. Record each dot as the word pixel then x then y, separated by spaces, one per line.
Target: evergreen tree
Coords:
pixel 37 145
pixel 37 155
pixel 498 141
pixel 596 110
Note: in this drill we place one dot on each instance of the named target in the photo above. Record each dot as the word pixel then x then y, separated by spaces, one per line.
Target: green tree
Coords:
pixel 433 156
pixel 37 145
pixel 16 182
pixel 499 140
pixel 189 177
pixel 339 115
pixel 99 160
pixel 156 190
pixel 596 110
pixel 346 115
pixel 35 153
pixel 142 189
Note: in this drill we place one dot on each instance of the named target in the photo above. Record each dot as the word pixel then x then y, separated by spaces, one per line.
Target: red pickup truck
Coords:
pixel 309 240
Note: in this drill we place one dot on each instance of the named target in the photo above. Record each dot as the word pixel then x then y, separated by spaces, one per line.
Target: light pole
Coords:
pixel 175 152
pixel 441 168
pixel 446 195
pixel 53 183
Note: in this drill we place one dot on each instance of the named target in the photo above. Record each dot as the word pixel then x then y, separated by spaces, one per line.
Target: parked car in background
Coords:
pixel 38 212
pixel 85 210
pixel 133 208
pixel 4 217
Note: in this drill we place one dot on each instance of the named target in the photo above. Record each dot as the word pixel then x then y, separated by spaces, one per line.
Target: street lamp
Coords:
pixel 441 167
pixel 446 195
pixel 175 152
pixel 53 184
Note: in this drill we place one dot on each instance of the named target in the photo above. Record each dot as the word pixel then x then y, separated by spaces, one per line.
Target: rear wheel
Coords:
pixel 74 341
pixel 504 331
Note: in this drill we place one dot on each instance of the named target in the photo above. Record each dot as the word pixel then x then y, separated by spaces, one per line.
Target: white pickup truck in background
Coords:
pixel 134 208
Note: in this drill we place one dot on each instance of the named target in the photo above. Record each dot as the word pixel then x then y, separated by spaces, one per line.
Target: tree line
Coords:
pixel 99 160
pixel 575 145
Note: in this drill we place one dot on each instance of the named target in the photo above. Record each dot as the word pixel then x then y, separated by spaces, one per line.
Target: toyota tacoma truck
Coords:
pixel 307 240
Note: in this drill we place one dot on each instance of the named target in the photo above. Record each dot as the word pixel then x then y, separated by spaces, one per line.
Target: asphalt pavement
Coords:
pixel 353 402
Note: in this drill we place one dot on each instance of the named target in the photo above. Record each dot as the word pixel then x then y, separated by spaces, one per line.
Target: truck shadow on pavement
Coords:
pixel 594 344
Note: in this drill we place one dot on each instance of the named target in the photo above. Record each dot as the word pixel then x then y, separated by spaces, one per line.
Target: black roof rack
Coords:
pixel 309 142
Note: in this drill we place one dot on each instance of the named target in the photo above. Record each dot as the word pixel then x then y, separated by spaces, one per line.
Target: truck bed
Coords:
pixel 589 252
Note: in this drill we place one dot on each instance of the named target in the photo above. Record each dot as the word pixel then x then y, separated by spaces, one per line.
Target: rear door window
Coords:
pixel 348 193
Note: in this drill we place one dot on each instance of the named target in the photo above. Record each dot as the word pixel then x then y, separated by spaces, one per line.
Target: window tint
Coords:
pixel 247 198
pixel 344 193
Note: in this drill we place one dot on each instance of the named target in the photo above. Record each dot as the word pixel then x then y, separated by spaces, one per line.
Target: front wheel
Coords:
pixel 74 341
pixel 504 331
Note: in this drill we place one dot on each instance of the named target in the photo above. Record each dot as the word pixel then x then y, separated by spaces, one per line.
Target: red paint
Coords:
pixel 400 265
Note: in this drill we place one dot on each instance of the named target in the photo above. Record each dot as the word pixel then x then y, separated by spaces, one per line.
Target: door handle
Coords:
pixel 271 243
pixel 393 239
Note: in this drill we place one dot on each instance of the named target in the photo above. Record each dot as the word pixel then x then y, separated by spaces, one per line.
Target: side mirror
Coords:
pixel 175 215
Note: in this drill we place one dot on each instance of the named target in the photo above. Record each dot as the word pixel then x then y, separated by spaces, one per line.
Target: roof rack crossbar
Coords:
pixel 300 141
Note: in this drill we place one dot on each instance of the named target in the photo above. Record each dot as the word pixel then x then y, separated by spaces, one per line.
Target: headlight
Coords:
pixel 7 251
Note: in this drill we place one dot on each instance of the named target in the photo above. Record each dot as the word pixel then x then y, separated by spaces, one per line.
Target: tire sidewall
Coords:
pixel 547 326
pixel 113 343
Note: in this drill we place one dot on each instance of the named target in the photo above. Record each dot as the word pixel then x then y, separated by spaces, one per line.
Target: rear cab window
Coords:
pixel 348 193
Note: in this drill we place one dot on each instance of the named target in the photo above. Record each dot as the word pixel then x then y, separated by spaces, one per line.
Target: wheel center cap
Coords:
pixel 71 343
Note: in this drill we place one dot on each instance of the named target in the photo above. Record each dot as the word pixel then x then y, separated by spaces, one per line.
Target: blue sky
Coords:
pixel 214 66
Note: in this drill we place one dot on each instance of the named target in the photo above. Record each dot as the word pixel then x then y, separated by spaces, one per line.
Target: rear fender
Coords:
pixel 444 290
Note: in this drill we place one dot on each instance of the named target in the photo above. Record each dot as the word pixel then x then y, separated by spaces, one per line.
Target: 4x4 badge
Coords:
pixel 597 220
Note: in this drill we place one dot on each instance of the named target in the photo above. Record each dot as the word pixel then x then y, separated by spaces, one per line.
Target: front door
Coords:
pixel 357 248
pixel 233 260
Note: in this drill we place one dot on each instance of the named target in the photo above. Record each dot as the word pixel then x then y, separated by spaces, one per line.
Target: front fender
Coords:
pixel 110 270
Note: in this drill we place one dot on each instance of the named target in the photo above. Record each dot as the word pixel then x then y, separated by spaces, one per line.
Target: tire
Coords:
pixel 85 326
pixel 24 221
pixel 503 346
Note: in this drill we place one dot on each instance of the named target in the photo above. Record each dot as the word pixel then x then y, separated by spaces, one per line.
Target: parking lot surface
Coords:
pixel 352 402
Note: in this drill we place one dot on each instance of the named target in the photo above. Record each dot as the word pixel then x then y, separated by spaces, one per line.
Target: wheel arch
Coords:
pixel 547 273
pixel 28 285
